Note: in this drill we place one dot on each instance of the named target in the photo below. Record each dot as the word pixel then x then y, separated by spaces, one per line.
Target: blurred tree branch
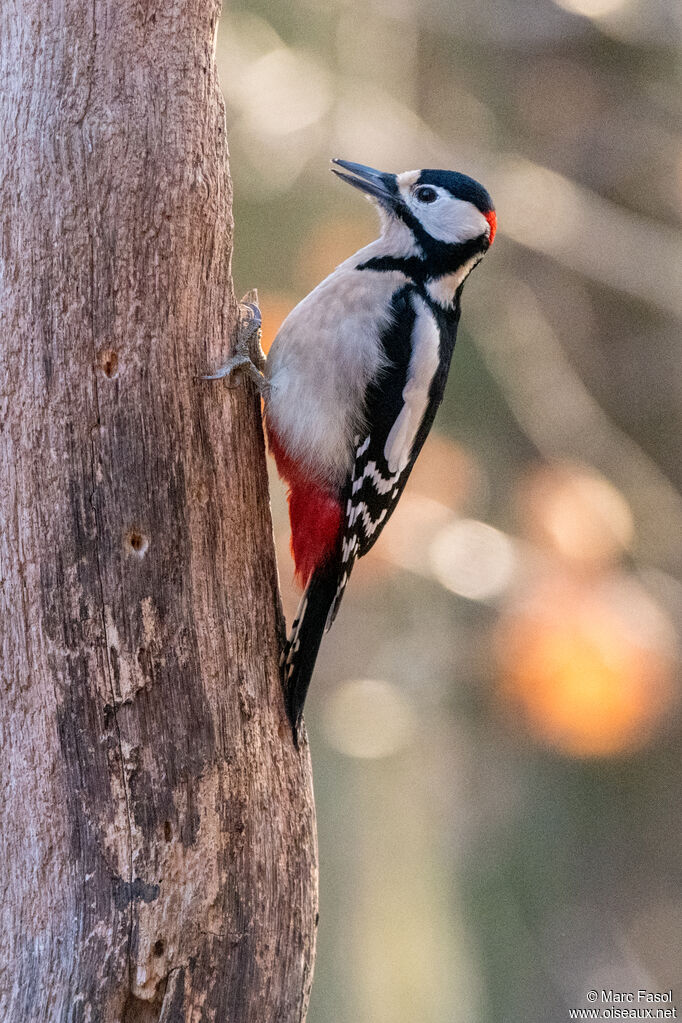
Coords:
pixel 557 412
pixel 158 836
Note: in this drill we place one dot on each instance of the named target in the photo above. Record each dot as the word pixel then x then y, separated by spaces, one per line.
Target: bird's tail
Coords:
pixel 302 646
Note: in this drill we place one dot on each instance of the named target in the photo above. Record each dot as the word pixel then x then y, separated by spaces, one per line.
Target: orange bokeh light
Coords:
pixel 590 671
pixel 577 514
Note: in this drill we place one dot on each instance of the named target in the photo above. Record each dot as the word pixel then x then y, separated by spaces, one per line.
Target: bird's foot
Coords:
pixel 249 358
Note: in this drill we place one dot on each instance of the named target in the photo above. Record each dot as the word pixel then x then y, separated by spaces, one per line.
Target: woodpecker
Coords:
pixel 354 379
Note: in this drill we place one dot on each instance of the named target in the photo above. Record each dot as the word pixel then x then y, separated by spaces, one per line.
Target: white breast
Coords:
pixel 326 351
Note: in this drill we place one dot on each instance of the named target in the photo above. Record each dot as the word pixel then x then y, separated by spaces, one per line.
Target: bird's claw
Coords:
pixel 249 358
pixel 232 371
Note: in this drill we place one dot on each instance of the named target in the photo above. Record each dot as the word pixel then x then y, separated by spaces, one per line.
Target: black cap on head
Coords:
pixel 460 186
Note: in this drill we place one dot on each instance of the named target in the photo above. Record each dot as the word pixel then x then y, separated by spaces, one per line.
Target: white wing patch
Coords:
pixel 422 368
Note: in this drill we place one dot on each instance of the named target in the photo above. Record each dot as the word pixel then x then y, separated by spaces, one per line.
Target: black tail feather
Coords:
pixel 303 644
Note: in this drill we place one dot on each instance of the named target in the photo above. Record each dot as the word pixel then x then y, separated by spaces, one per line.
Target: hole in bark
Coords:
pixel 137 543
pixel 159 948
pixel 109 363
pixel 167 831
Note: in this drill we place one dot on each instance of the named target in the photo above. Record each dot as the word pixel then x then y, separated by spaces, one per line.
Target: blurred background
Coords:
pixel 495 716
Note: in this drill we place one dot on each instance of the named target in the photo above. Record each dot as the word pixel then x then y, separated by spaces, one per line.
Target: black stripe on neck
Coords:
pixel 438 259
pixel 411 266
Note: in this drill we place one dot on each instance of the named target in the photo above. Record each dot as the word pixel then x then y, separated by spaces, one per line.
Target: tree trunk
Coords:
pixel 158 837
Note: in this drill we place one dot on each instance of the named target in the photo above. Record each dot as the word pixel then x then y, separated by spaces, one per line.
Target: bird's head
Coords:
pixel 442 209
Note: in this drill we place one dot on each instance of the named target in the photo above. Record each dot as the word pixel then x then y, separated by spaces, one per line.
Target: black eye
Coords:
pixel 426 194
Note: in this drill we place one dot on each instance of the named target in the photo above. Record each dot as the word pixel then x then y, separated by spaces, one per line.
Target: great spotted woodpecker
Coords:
pixel 354 379
pixel 355 376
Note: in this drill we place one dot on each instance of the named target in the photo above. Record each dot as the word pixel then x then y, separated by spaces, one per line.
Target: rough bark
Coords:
pixel 158 842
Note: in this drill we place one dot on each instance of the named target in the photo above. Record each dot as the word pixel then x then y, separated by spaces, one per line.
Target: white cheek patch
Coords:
pixel 446 219
pixel 422 369
pixel 450 220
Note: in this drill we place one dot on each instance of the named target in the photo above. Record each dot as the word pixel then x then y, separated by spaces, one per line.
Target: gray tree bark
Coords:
pixel 158 850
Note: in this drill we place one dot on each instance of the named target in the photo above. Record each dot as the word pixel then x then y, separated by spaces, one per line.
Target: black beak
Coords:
pixel 380 186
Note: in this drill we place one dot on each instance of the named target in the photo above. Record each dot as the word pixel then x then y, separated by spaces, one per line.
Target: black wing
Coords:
pixel 371 490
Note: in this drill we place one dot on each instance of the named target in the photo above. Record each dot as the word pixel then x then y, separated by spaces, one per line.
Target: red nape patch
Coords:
pixel 314 512
pixel 491 217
